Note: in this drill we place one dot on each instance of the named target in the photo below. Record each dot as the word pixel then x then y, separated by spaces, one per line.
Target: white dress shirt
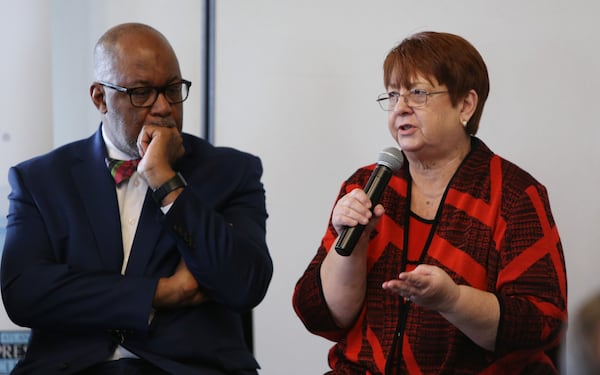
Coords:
pixel 131 195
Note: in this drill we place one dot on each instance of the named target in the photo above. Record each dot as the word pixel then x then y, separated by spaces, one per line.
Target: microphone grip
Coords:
pixel 374 188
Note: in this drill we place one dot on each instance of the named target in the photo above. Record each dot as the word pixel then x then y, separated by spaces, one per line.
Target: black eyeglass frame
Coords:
pixel 159 90
pixel 411 93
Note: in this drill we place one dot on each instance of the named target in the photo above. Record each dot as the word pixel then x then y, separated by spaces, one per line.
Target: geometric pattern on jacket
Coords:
pixel 495 233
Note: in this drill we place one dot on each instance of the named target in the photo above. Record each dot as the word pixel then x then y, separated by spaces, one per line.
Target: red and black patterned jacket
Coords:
pixel 495 232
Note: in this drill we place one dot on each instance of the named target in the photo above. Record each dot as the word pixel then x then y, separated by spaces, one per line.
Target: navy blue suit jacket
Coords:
pixel 62 259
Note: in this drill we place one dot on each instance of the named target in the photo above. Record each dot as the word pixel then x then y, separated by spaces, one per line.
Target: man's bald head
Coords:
pixel 114 41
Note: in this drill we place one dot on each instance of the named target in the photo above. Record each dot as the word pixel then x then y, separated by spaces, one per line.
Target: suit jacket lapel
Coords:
pixel 101 206
pixel 148 232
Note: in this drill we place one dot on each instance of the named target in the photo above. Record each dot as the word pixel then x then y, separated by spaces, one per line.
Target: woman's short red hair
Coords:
pixel 448 58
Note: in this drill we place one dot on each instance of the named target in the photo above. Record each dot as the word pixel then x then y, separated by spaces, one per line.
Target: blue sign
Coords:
pixel 13 345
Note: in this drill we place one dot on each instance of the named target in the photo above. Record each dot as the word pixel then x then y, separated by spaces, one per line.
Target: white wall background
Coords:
pixel 25 86
pixel 296 84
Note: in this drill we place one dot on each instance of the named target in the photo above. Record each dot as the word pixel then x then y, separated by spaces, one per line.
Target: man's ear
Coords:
pixel 98 98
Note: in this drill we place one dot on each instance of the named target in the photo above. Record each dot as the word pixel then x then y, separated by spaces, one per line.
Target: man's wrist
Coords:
pixel 172 184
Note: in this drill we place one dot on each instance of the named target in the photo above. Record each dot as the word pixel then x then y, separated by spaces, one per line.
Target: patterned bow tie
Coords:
pixel 121 170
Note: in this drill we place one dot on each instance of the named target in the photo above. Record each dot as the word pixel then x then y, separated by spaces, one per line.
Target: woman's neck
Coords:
pixel 437 171
pixel 430 178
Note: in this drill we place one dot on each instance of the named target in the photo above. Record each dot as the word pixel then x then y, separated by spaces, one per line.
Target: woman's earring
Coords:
pixel 464 123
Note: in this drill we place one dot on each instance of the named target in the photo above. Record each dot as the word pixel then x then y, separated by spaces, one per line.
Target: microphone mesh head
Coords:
pixel 392 158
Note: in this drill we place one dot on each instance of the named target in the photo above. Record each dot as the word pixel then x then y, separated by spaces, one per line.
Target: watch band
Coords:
pixel 163 190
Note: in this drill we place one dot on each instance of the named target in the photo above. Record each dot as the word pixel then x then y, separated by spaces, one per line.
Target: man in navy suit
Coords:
pixel 150 275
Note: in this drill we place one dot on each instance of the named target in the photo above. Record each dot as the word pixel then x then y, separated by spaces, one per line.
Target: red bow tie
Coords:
pixel 121 170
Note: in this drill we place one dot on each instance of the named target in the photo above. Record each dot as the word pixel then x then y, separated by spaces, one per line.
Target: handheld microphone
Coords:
pixel 390 160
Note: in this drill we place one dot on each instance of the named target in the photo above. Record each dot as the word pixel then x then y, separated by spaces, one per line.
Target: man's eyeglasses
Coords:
pixel 145 97
pixel 413 98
